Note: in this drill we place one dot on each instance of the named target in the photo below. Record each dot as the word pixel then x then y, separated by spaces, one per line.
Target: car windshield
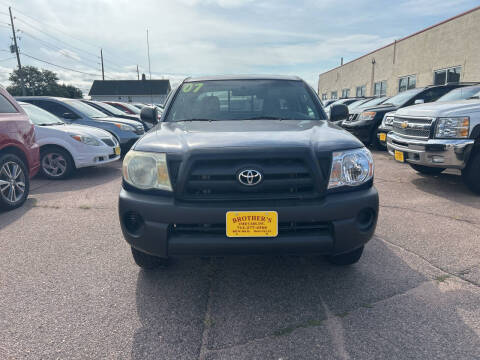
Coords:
pixel 461 93
pixel 85 109
pixel 41 117
pixel 403 97
pixel 110 108
pixel 132 108
pixel 244 100
pixel 373 102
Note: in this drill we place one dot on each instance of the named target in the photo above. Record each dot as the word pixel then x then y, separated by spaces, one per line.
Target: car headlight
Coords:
pixel 351 168
pixel 367 115
pixel 87 140
pixel 453 127
pixel 387 120
pixel 124 127
pixel 146 170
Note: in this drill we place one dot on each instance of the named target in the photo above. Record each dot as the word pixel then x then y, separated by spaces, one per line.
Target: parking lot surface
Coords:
pixel 69 288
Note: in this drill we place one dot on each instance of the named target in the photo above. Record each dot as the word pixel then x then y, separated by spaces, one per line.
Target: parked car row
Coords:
pixel 431 128
pixel 58 136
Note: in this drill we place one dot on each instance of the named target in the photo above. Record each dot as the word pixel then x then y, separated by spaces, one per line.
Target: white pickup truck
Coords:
pixel 436 136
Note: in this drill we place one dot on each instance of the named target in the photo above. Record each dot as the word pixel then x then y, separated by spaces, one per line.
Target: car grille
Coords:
pixel 412 127
pixel 283 228
pixel 352 117
pixel 282 178
pixel 109 142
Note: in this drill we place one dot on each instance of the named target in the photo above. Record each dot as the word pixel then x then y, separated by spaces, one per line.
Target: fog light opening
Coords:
pixel 133 222
pixel 365 219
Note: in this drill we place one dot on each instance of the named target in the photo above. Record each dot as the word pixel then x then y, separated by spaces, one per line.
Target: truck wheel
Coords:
pixel 426 169
pixel 14 182
pixel 147 261
pixel 471 174
pixel 347 258
pixel 56 163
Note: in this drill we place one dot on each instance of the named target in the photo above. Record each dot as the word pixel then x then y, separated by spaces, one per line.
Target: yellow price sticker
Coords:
pixel 192 86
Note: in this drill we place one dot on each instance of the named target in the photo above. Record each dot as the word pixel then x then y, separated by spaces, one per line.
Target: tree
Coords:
pixel 40 82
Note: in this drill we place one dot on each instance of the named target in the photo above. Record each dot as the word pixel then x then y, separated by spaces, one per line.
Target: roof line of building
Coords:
pixel 406 37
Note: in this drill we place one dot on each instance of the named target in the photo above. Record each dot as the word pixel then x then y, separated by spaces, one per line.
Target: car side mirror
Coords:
pixel 419 101
pixel 149 114
pixel 338 112
pixel 69 116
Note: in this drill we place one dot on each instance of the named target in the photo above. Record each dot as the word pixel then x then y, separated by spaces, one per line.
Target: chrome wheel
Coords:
pixel 54 164
pixel 12 182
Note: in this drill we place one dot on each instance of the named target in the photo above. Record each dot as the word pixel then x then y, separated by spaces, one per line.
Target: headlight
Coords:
pixel 87 140
pixel 367 115
pixel 453 127
pixel 387 120
pixel 124 127
pixel 146 170
pixel 351 168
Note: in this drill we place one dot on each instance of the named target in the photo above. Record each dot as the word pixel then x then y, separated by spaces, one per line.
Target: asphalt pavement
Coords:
pixel 69 288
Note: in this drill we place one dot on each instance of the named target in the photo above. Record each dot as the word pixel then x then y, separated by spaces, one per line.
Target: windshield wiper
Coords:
pixel 49 124
pixel 267 118
pixel 195 119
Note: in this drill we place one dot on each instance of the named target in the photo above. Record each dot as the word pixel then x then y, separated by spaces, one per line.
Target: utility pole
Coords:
pixel 20 72
pixel 148 50
pixel 138 74
pixel 101 57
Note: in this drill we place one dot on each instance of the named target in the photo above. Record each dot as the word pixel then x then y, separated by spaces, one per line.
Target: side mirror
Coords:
pixel 149 114
pixel 69 116
pixel 419 101
pixel 338 112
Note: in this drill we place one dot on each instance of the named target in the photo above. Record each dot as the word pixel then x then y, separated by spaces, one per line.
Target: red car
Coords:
pixel 125 107
pixel 19 154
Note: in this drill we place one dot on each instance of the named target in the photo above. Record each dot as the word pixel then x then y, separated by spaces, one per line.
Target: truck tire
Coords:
pixel 347 258
pixel 147 261
pixel 426 169
pixel 471 174
pixel 55 163
pixel 13 172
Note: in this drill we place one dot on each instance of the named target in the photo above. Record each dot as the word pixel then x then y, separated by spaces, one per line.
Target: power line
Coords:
pixel 59 66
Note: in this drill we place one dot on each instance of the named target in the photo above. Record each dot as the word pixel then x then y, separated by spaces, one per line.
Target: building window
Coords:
pixel 380 88
pixel 345 93
pixel 361 91
pixel 407 83
pixel 333 95
pixel 324 96
pixel 449 75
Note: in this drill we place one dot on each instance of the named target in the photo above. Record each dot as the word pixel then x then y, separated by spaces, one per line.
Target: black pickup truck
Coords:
pixel 247 165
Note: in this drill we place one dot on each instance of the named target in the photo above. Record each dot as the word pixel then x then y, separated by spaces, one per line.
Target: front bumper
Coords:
pixel 361 129
pixel 432 152
pixel 346 230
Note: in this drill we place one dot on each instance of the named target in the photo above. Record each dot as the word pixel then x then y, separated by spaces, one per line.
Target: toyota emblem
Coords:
pixel 249 177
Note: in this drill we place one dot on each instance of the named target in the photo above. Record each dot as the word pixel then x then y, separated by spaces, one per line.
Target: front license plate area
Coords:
pixel 383 137
pixel 399 156
pixel 252 223
pixel 117 150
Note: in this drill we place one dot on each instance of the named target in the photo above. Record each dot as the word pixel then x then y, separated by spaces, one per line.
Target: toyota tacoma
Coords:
pixel 247 165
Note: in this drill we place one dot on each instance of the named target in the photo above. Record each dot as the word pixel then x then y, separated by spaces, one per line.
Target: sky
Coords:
pixel 206 37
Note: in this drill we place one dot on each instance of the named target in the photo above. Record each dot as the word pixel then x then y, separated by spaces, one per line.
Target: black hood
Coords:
pixel 181 137
pixel 381 108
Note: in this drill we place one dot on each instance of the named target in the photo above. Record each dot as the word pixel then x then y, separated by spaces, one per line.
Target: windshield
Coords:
pixel 460 93
pixel 85 109
pixel 41 117
pixel 110 108
pixel 244 100
pixel 403 97
pixel 132 108
pixel 373 102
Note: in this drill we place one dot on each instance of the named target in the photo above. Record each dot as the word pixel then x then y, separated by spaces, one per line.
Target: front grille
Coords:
pixel 352 117
pixel 282 178
pixel 283 228
pixel 412 127
pixel 108 141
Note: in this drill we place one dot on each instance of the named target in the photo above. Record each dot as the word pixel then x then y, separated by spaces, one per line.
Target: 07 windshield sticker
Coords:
pixel 192 86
